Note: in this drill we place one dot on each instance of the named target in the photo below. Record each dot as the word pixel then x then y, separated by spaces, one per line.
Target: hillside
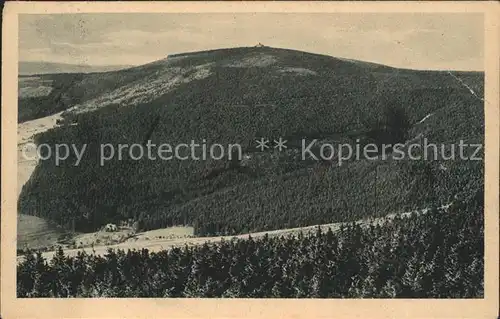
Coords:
pixel 237 96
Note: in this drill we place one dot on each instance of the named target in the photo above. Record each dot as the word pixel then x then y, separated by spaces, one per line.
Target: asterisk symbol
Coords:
pixel 280 144
pixel 262 144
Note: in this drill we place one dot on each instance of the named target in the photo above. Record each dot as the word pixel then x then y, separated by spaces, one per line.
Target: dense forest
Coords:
pixel 434 255
pixel 343 102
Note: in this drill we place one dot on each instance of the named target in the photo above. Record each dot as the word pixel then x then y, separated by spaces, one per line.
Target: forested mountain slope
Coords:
pixel 237 96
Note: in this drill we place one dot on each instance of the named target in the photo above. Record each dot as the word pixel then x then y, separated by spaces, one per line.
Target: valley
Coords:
pixel 174 100
pixel 168 238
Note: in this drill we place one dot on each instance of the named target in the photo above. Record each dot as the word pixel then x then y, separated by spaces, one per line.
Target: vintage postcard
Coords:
pixel 250 160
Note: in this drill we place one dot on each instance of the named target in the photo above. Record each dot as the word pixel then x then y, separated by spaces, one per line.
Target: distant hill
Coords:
pixel 236 96
pixel 31 68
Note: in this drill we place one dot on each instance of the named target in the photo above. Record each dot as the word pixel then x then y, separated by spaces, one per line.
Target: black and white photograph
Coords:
pixel 256 155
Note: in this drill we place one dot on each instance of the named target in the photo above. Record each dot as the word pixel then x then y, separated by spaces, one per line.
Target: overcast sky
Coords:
pixel 418 41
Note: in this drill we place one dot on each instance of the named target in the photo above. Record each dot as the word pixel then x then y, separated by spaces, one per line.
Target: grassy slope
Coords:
pixel 338 100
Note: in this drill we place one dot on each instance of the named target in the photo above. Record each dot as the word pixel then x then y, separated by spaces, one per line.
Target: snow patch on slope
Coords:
pixel 425 118
pixel 148 88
